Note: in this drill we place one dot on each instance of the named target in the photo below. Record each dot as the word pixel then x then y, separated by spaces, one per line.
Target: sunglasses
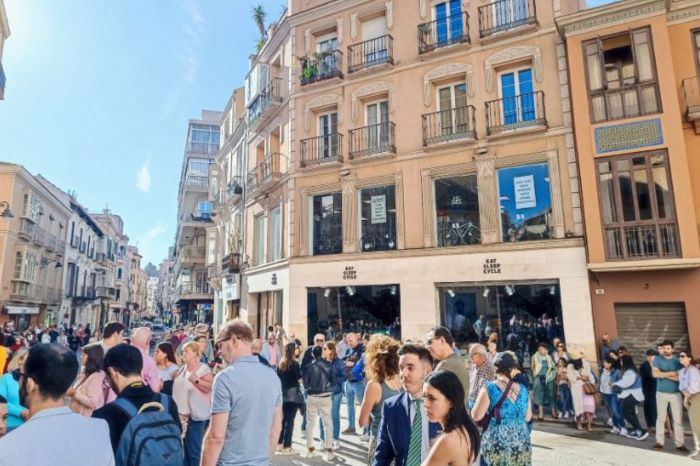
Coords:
pixel 17 374
pixel 217 345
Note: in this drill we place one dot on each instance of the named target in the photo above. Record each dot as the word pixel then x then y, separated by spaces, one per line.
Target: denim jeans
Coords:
pixel 289 411
pixel 613 404
pixel 335 412
pixel 193 441
pixel 352 390
pixel 566 403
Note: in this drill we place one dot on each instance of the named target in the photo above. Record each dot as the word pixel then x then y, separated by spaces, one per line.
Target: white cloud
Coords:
pixel 146 242
pixel 143 175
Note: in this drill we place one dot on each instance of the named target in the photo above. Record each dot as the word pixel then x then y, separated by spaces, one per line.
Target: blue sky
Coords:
pixel 99 93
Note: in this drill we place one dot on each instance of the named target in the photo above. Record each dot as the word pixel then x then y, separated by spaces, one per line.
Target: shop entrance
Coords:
pixel 642 326
pixel 364 309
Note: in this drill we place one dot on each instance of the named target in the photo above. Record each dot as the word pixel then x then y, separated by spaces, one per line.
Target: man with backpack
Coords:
pixel 144 426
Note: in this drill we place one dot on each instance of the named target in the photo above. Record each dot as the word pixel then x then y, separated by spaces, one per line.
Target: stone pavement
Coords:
pixel 553 444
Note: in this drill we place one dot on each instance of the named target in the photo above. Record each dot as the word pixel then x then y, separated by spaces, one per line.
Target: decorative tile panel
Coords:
pixel 628 136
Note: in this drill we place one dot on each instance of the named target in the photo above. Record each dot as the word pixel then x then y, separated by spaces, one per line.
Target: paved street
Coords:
pixel 553 444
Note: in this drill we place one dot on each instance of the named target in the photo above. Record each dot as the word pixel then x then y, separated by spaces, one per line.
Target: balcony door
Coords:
pixel 375 44
pixel 518 98
pixel 509 13
pixel 452 100
pixel 448 21
pixel 326 47
pixel 378 124
pixel 328 130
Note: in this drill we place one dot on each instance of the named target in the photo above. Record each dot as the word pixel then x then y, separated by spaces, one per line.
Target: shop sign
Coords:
pixel 273 279
pixel 349 273
pixel 492 266
pixel 379 209
pixel 524 187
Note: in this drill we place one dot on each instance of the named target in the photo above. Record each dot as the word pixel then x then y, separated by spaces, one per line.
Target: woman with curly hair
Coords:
pixel 382 368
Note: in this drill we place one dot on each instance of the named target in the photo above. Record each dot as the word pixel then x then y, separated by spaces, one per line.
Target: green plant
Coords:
pixel 259 16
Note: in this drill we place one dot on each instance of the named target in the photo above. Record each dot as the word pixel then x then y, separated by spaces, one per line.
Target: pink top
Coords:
pixel 90 394
pixel 150 372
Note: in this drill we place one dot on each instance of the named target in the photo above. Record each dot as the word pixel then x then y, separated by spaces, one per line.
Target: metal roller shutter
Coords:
pixel 642 326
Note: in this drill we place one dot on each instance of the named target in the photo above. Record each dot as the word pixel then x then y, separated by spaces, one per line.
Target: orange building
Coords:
pixel 633 81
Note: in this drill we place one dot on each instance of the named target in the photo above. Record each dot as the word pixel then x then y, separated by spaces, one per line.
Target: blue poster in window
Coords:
pixel 525 202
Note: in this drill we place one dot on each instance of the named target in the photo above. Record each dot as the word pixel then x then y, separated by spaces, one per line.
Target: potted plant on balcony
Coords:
pixel 309 69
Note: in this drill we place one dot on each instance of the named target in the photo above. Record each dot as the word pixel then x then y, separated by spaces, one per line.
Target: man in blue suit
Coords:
pixel 405 434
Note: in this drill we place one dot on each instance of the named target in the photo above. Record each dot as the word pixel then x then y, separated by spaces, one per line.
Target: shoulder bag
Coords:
pixel 496 411
pixel 589 388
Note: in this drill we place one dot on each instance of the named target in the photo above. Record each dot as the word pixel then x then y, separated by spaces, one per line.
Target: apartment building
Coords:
pixel 113 285
pixel 4 34
pixel 33 228
pixel 226 236
pixel 193 295
pixel 426 173
pixel 164 293
pixel 80 303
pixel 634 81
pixel 136 299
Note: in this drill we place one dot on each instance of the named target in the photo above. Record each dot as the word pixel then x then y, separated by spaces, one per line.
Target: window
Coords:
pixel 526 203
pixel 377 119
pixel 454 117
pixel 510 13
pixel 259 239
pixel 517 95
pixel 457 211
pixel 448 17
pixel 637 207
pixel 621 76
pixel 31 208
pixel 204 139
pixel 375 43
pixel 328 130
pixel 119 274
pixel 377 219
pixel 118 295
pixel 276 234
pixel 198 167
pixel 327 224
pixel 18 265
pixel 326 47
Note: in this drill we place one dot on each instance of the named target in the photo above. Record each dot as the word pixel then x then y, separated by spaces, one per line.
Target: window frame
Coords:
pixel 621 223
pixel 360 234
pixel 275 240
pixel 696 48
pixel 259 244
pixel 436 232
pixel 604 82
pixel 311 236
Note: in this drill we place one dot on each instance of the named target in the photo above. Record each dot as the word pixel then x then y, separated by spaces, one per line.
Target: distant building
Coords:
pixel 4 34
pixel 151 270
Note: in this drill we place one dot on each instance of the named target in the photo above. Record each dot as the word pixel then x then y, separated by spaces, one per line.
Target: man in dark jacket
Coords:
pixel 319 380
pixel 123 364
pixel 319 341
pixel 355 385
pixel 649 389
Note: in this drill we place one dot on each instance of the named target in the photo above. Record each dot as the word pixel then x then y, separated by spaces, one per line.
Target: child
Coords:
pixel 566 403
pixel 610 375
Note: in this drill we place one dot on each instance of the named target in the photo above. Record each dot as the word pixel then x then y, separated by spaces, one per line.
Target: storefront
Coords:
pixel 22 316
pixel 531 294
pixel 267 299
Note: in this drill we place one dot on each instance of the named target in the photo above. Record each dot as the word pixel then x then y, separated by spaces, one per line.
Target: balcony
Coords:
pixel 39 237
pixel 505 15
pixel 638 242
pixel 443 32
pixel 371 53
pixel 192 254
pixel 234 189
pixel 106 292
pixel 321 150
pixel 625 102
pixel 321 66
pixel 84 293
pixel 199 184
pixel 265 103
pixel 515 113
pixel 447 125
pixel 83 247
pixel 189 291
pixel 372 140
pixel 2 82
pixel 231 263
pixel 691 97
pixel 30 292
pixel 27 229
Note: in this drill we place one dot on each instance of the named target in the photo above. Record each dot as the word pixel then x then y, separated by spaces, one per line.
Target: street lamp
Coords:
pixel 7 213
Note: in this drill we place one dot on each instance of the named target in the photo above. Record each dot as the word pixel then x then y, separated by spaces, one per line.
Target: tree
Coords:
pixel 259 18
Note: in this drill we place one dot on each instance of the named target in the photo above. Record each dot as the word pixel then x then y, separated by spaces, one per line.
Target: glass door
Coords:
pixel 453 111
pixel 518 98
pixel 328 129
pixel 378 124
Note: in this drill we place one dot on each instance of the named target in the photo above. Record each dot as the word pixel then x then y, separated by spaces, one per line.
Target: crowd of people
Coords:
pixel 235 399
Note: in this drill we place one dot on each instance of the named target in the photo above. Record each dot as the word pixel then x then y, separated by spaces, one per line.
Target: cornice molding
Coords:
pixel 371 89
pixel 686 13
pixel 596 18
pixel 446 71
pixel 518 52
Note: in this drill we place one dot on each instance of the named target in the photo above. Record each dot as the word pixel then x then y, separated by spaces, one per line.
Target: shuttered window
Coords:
pixel 642 326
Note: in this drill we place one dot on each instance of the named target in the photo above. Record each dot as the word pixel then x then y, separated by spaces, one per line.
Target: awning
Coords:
pixel 22 310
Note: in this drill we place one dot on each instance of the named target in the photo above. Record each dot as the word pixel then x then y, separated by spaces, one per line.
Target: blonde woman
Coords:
pixel 192 394
pixel 89 392
pixel 382 368
pixel 9 389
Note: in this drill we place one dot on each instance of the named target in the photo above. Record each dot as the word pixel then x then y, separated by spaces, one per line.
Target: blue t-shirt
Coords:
pixel 249 392
pixel 667 365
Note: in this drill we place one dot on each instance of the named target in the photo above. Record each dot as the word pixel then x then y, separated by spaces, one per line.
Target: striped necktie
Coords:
pixel 414 446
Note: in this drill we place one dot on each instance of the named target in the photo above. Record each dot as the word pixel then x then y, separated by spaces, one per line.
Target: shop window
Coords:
pixel 621 76
pixel 327 224
pixel 457 211
pixel 364 309
pixel 525 202
pixel 259 239
pixel 276 234
pixel 637 207
pixel 378 219
pixel 522 314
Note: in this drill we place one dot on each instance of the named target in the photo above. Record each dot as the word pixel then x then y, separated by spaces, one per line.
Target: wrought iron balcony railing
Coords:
pixel 321 66
pixel 322 149
pixel 443 32
pixel 449 124
pixel 372 140
pixel 371 53
pixel 505 14
pixel 644 241
pixel 511 113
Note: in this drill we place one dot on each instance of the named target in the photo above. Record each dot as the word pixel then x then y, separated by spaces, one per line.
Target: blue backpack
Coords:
pixel 151 437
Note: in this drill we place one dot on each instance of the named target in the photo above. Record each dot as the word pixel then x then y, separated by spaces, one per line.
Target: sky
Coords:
pixel 99 93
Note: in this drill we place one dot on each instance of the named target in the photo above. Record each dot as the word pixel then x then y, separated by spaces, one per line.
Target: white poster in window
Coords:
pixel 378 204
pixel 524 187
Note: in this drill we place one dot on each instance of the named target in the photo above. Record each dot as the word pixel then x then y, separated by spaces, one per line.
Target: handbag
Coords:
pixel 589 388
pixel 293 395
pixel 496 411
